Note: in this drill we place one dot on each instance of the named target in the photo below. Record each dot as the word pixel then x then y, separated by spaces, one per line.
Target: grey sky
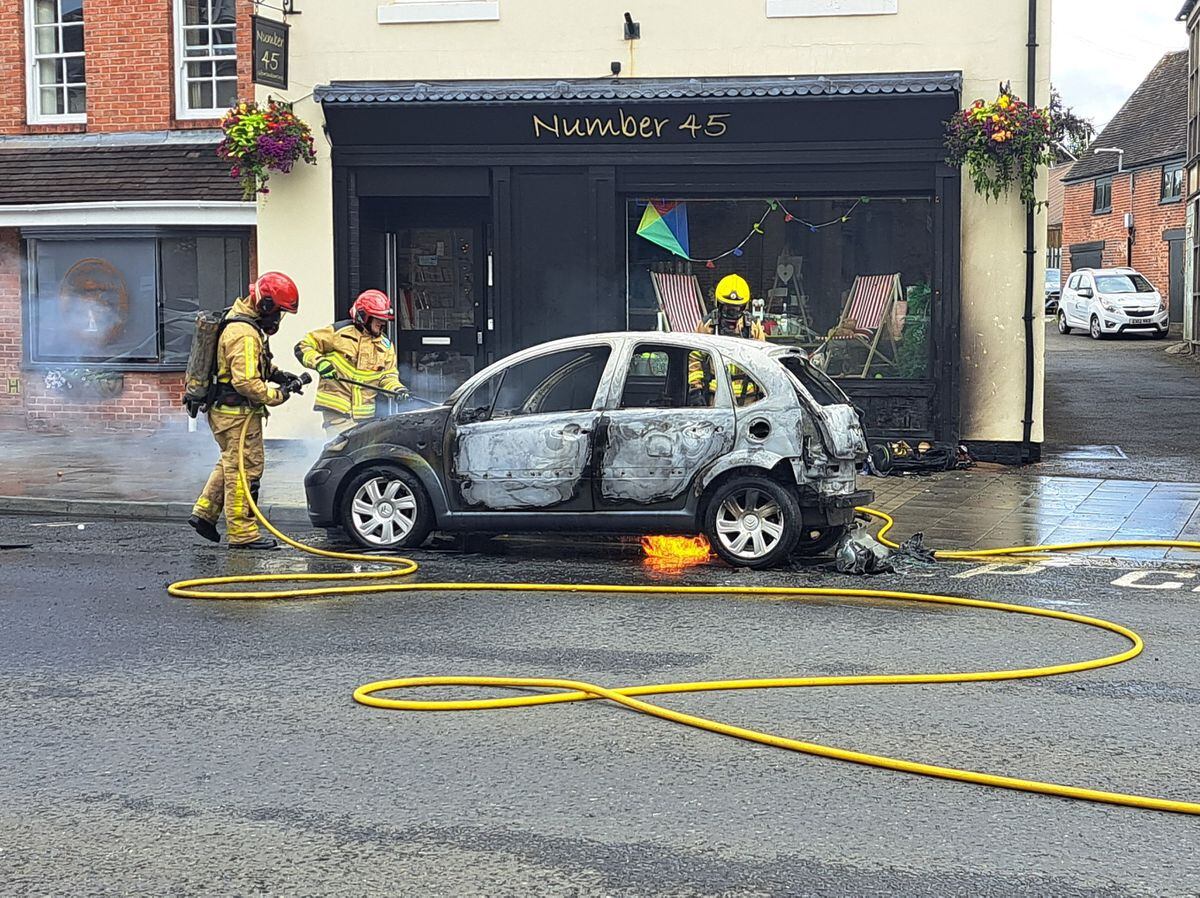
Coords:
pixel 1102 49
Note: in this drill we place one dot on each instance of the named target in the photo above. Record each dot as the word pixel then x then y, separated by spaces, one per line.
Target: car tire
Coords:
pixel 1094 329
pixel 1063 327
pixel 752 522
pixel 386 508
pixel 817 541
pixel 1160 334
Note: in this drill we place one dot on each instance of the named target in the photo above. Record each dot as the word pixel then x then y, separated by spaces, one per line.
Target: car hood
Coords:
pixel 1132 297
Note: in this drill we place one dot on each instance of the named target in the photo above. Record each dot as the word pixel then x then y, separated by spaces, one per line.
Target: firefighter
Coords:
pixel 247 383
pixel 728 318
pixel 354 350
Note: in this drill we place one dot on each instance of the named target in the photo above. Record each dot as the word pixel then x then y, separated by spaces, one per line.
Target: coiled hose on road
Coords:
pixel 385 581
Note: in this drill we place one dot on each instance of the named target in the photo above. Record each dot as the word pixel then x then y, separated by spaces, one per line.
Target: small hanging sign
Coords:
pixel 270 52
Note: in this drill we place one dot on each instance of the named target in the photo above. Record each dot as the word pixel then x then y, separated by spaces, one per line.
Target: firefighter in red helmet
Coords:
pixel 247 383
pixel 356 350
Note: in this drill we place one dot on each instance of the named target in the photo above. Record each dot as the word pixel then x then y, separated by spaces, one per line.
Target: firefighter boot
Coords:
pixel 205 528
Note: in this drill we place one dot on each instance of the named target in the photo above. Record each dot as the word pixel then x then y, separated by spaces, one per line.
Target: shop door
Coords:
pixel 438 275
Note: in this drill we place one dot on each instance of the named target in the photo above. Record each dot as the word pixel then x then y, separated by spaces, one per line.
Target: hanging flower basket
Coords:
pixel 1002 144
pixel 259 140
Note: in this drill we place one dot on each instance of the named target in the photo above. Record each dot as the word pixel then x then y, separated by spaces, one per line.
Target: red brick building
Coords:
pixel 117 220
pixel 1123 203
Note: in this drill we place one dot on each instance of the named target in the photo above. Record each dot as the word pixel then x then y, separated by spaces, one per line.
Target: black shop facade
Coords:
pixel 499 215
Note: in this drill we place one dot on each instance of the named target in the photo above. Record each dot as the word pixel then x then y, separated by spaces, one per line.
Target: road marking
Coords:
pixel 1137 580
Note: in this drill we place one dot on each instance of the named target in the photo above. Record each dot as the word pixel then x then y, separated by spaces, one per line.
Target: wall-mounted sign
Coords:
pixel 270 52
pixel 621 124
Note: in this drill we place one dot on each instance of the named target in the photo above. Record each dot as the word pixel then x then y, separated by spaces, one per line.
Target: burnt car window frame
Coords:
pixel 635 348
pixel 582 352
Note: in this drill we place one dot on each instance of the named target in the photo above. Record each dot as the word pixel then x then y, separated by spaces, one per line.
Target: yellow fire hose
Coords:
pixel 574 690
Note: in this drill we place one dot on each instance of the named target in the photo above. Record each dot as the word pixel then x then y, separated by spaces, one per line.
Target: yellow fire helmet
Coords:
pixel 733 290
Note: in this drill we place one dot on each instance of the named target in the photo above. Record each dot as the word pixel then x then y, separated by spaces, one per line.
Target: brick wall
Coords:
pixel 130 66
pixel 131 73
pixel 1151 217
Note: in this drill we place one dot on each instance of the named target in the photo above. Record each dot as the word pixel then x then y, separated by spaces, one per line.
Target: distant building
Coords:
pixel 1124 199
pixel 1055 196
pixel 1191 319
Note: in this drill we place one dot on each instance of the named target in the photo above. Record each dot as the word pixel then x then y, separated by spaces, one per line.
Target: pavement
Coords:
pixel 156 477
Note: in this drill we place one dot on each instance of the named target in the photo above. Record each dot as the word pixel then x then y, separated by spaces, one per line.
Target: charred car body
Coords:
pixel 602 433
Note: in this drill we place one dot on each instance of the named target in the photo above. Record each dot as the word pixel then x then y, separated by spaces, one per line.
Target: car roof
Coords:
pixel 1106 271
pixel 737 349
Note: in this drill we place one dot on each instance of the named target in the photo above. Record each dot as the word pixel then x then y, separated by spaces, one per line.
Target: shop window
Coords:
pixel 57 85
pixel 206 57
pixel 127 303
pixel 564 381
pixel 1172 183
pixel 847 279
pixel 668 377
pixel 401 12
pixel 1102 196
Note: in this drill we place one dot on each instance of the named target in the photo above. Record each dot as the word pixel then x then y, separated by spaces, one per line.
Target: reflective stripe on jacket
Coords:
pixel 355 355
pixel 244 362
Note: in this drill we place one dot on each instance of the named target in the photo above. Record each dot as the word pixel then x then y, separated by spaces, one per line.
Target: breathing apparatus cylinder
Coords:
pixel 201 364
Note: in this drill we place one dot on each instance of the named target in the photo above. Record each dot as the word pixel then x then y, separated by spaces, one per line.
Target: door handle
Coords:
pixel 571 430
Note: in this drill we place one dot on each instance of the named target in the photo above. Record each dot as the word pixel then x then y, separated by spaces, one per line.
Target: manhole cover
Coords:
pixel 1092 453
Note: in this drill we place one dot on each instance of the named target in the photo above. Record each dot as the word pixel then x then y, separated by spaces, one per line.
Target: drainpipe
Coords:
pixel 1030 252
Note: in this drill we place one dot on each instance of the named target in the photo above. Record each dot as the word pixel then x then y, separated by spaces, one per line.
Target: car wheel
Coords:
pixel 386 508
pixel 816 541
pixel 1063 327
pixel 1094 329
pixel 752 522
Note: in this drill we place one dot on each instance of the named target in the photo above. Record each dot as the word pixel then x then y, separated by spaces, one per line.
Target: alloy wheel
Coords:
pixel 749 524
pixel 383 511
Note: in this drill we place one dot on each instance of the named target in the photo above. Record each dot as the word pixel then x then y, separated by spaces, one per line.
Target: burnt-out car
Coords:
pixel 646 433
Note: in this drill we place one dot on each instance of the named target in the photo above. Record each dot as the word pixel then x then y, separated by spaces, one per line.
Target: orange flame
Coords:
pixel 674 553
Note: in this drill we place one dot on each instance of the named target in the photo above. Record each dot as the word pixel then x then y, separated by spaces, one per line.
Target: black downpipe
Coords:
pixel 1030 252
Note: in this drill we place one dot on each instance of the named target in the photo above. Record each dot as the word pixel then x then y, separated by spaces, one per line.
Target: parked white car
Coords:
pixel 1106 301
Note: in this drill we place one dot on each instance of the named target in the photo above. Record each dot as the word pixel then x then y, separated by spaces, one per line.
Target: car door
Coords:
pixel 1085 302
pixel 1068 300
pixel 660 431
pixel 522 440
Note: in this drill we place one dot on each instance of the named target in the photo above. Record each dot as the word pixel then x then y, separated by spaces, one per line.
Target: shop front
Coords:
pixel 503 214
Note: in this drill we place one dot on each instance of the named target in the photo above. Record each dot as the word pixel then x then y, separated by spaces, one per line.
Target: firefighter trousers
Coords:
pixel 335 422
pixel 224 490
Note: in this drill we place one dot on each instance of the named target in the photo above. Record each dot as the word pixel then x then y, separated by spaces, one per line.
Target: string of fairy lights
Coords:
pixel 757 228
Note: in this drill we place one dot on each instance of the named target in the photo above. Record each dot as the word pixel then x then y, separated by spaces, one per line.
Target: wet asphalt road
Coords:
pixel 1125 391
pixel 152 745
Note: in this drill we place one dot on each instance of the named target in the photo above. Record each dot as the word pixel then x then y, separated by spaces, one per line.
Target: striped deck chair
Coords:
pixel 868 319
pixel 679 300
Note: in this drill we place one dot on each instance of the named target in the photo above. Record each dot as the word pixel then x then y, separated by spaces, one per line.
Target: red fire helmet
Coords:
pixel 277 287
pixel 371 304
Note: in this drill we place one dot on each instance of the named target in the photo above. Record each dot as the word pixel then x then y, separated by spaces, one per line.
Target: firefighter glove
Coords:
pixel 325 368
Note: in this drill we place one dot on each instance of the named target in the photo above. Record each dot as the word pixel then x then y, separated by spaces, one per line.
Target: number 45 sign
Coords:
pixel 270 52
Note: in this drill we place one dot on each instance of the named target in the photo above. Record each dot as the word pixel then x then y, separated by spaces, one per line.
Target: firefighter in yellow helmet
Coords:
pixel 354 350
pixel 247 382
pixel 729 318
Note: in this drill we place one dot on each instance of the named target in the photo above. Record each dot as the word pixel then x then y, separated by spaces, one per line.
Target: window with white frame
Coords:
pixel 54 38
pixel 206 55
